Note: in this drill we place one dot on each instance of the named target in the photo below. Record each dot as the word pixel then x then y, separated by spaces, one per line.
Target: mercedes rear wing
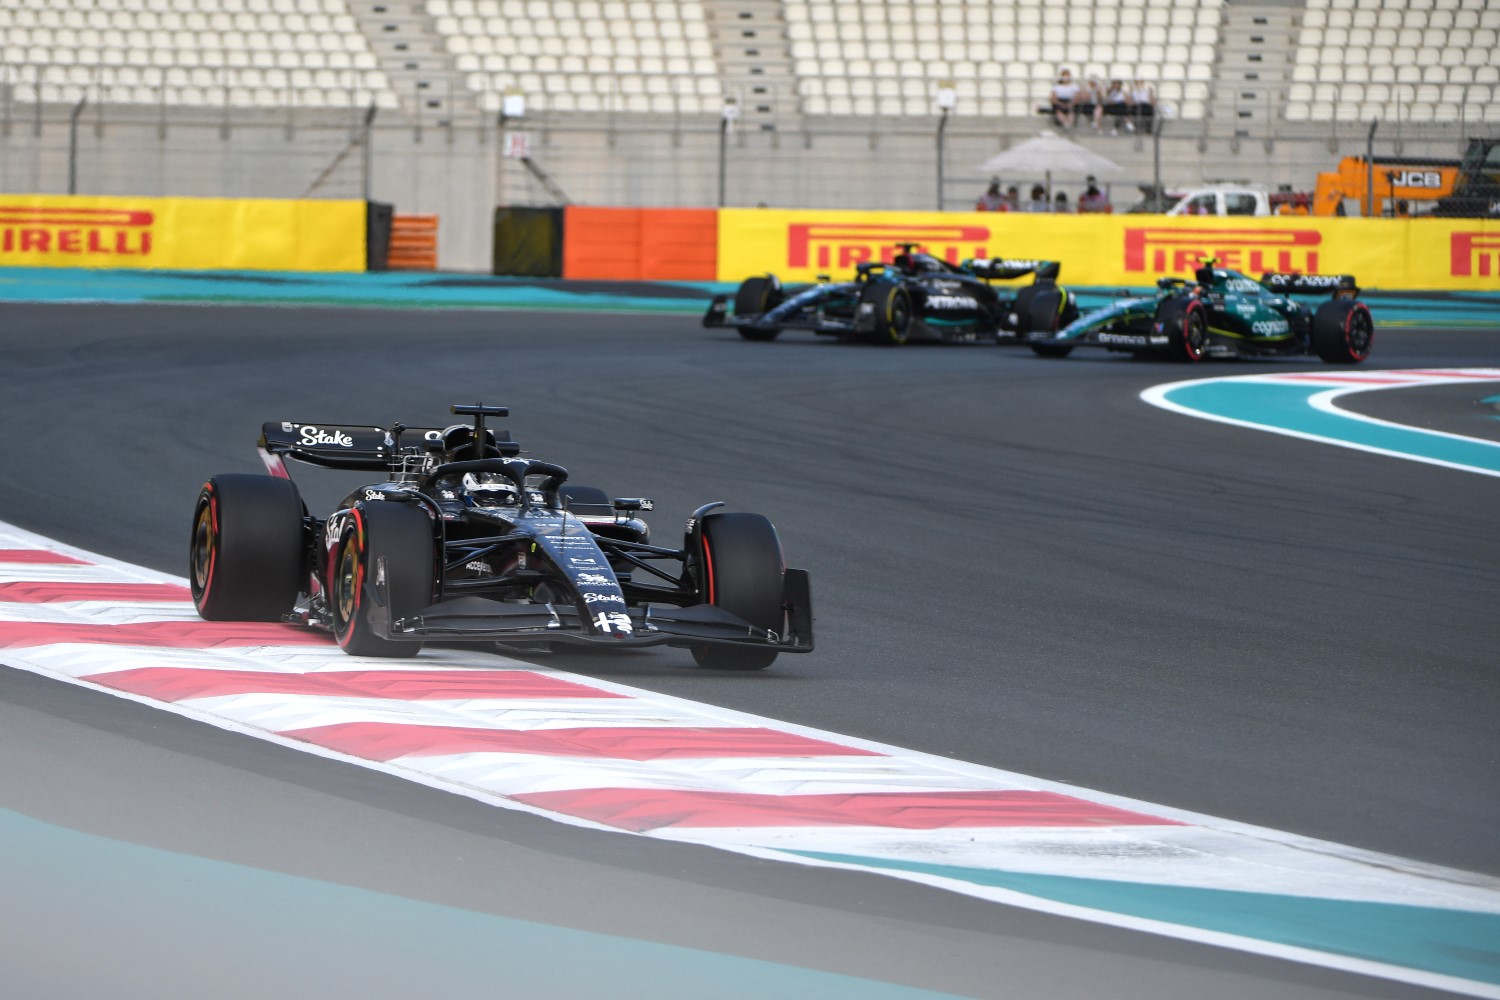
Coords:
pixel 1010 267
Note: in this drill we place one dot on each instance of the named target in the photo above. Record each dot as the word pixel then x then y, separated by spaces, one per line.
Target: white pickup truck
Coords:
pixel 1222 199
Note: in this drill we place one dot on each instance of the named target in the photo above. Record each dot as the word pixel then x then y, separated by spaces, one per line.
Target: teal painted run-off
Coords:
pixel 200 919
pixel 1285 406
pixel 439 290
pixel 1455 943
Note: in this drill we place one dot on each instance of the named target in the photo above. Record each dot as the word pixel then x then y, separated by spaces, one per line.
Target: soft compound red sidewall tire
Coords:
pixel 247 551
pixel 742 571
pixel 400 535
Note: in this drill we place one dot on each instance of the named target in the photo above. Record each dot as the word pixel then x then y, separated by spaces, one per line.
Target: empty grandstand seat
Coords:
pixel 197 52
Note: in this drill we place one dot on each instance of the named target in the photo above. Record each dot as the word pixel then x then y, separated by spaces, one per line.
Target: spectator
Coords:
pixel 1013 198
pixel 1038 202
pixel 1093 199
pixel 992 200
pixel 1090 103
pixel 1064 97
pixel 1142 107
pixel 1116 104
pixel 1060 205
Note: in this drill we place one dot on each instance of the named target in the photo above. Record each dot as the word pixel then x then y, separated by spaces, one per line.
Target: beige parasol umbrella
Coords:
pixel 1047 154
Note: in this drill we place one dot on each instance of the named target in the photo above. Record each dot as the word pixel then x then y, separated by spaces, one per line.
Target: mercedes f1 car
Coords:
pixel 1223 313
pixel 464 541
pixel 916 297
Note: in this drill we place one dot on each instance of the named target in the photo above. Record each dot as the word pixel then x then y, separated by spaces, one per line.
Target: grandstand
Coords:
pixel 240 53
pixel 625 101
pixel 1423 60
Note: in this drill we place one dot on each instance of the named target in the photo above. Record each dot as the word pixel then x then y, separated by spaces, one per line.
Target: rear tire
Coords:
pixel 247 554
pixel 1342 332
pixel 757 296
pixel 1046 309
pixel 1020 310
pixel 1185 322
pixel 401 535
pixel 590 500
pixel 741 571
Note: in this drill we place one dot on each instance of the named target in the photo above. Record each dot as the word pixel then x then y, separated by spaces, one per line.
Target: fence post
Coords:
pixel 73 145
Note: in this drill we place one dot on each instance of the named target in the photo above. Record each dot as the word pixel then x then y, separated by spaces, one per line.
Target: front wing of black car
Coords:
pixel 477 619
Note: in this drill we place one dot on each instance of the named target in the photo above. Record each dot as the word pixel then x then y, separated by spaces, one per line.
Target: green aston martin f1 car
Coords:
pixel 1223 313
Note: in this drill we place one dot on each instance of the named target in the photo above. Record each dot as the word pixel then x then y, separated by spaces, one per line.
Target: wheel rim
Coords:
pixel 203 549
pixel 346 584
pixel 900 316
pixel 1359 334
pixel 1195 334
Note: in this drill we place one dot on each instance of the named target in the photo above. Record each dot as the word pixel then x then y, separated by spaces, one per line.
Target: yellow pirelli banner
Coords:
pixel 1125 250
pixel 258 234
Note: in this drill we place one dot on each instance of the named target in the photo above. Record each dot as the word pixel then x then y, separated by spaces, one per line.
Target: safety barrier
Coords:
pixel 658 244
pixel 413 243
pixel 1129 250
pixel 182 233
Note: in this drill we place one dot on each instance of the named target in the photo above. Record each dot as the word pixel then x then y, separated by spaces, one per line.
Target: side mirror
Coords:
pixel 629 505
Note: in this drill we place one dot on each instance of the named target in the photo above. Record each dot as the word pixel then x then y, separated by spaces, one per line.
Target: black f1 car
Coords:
pixel 1223 313
pixel 916 297
pixel 465 541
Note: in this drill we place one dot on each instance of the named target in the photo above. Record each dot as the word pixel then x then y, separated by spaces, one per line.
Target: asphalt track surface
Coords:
pixel 1015 562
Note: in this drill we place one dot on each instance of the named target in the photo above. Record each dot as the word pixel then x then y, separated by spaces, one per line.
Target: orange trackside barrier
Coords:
pixel 413 243
pixel 601 243
pixel 634 244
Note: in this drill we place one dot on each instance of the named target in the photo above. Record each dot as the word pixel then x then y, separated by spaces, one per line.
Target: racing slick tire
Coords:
pixel 757 296
pixel 742 572
pixel 893 315
pixel 1045 312
pixel 246 558
pixel 586 499
pixel 1342 331
pixel 1185 322
pixel 400 536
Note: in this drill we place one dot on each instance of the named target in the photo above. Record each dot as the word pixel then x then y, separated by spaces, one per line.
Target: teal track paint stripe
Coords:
pixel 384 290
pixel 1451 943
pixel 202 917
pixel 1309 410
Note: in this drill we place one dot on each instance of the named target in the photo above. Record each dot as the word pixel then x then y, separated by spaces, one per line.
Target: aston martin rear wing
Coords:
pixel 1003 268
pixel 1342 286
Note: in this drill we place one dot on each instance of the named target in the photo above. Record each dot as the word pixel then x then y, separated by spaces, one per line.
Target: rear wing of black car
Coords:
pixel 341 446
pixel 1011 267
pixel 1341 286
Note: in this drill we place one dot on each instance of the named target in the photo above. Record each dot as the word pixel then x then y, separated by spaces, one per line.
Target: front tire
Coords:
pixel 893 315
pixel 756 297
pixel 388 537
pixel 742 572
pixel 246 558
pixel 1342 332
pixel 1185 322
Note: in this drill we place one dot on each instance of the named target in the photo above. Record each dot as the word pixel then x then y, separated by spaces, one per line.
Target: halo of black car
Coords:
pixel 915 297
pixel 465 542
pixel 1223 313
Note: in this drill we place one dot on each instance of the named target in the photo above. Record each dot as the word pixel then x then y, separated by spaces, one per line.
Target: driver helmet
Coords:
pixel 489 489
